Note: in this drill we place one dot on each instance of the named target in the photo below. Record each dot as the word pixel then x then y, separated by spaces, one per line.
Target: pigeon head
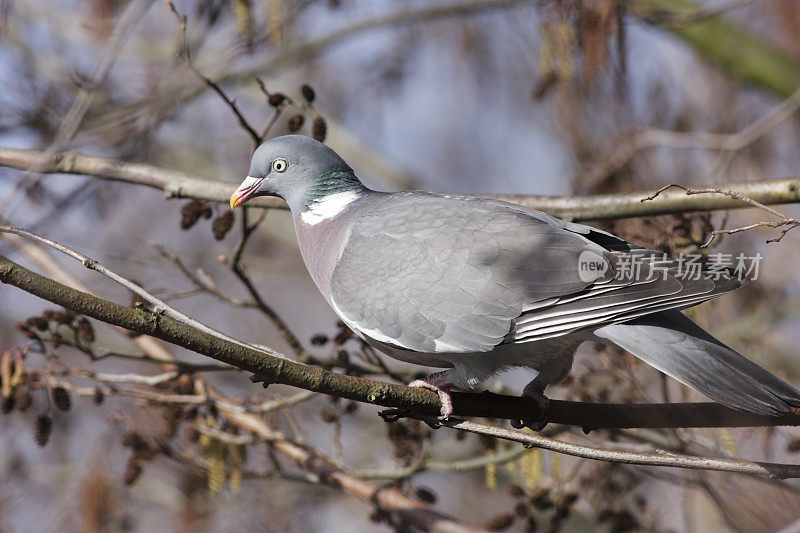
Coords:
pixel 302 171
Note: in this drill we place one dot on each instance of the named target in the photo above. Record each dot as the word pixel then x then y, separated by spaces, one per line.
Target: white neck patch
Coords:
pixel 328 207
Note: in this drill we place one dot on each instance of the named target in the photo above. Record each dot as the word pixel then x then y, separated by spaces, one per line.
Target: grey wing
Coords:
pixel 435 274
pixel 643 282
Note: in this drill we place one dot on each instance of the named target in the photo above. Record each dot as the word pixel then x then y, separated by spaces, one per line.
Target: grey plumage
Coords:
pixel 477 285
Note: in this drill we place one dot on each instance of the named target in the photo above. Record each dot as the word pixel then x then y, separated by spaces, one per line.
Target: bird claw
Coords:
pixel 542 403
pixel 393 415
pixel 255 378
pixel 441 386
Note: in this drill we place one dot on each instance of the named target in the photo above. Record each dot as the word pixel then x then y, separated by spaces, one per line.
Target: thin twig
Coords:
pixel 784 222
pixel 199 281
pixel 159 305
pixel 721 142
pixel 239 271
pixel 73 119
pixel 657 458
pixel 231 102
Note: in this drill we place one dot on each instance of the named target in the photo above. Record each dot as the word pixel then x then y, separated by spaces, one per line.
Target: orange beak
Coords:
pixel 246 190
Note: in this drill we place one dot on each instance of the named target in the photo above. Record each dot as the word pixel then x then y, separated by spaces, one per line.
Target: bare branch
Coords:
pixel 657 458
pixel 83 100
pixel 159 305
pixel 177 184
pixel 276 370
pixel 787 223
pixel 723 143
pixel 236 266
pixel 388 498
pixel 231 102
pixel 200 281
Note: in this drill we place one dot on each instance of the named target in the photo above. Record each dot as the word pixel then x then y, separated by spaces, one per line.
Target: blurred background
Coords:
pixel 495 96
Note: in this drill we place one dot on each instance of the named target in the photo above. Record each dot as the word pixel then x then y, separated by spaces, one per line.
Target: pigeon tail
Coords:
pixel 674 344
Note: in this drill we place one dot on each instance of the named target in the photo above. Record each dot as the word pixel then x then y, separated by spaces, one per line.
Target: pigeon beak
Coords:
pixel 248 187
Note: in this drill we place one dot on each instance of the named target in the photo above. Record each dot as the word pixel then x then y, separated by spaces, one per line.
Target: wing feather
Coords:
pixel 435 274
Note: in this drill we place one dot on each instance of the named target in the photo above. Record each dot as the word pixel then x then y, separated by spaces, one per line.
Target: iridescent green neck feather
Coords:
pixel 332 182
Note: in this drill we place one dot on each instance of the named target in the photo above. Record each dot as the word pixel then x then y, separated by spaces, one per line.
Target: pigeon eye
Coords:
pixel 279 165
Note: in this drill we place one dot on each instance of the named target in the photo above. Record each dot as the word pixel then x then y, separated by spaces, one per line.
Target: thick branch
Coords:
pixel 277 370
pixel 177 184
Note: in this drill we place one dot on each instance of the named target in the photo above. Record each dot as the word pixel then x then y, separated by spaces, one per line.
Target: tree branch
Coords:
pixel 692 462
pixel 387 498
pixel 787 223
pixel 277 370
pixel 177 184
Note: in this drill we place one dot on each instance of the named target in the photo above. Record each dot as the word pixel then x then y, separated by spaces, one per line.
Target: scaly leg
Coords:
pixel 440 383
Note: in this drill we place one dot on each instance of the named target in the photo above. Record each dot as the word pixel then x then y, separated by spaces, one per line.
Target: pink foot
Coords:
pixel 440 383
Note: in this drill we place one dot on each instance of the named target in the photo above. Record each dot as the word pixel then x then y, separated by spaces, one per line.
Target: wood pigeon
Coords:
pixel 475 285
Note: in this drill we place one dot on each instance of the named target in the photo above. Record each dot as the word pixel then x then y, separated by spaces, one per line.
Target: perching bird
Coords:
pixel 476 285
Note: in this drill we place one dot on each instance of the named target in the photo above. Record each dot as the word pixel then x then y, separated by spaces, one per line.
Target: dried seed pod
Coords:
pixel 425 495
pixel 521 510
pixel 85 330
pixel 24 327
pixel 222 225
pixel 500 522
pixel 133 469
pixel 515 490
pixel 351 407
pixel 8 404
pixel 184 384
pixel 276 99
pixel 562 511
pixel 569 499
pixel 190 213
pixel 135 441
pixel 295 122
pixel 22 398
pixel 319 339
pixel 64 317
pixel 39 322
pixel 98 396
pixel 342 337
pixel 793 446
pixel 540 498
pixel 62 399
pixel 327 416
pixel 146 454
pixel 43 429
pixel 192 434
pixel 308 93
pixel 319 129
